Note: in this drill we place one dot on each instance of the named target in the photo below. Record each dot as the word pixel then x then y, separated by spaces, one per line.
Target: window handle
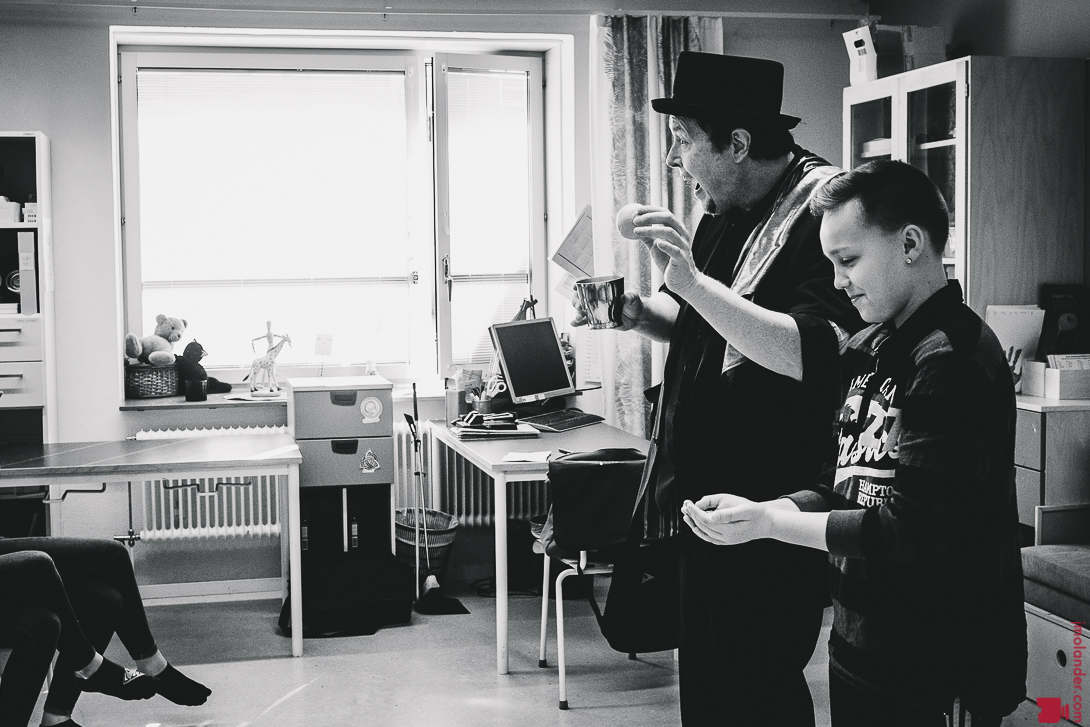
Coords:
pixel 446 276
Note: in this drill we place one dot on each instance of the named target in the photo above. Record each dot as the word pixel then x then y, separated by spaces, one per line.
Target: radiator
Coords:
pixel 203 508
pixel 457 486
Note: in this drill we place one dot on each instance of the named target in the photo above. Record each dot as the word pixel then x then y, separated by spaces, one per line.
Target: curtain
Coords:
pixel 636 59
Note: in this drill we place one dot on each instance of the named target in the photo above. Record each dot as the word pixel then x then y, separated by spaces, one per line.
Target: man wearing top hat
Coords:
pixel 751 614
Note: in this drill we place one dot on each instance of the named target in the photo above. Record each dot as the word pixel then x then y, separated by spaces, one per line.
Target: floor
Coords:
pixel 440 670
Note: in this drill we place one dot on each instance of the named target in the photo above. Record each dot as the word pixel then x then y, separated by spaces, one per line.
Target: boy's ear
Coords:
pixel 913 241
pixel 739 144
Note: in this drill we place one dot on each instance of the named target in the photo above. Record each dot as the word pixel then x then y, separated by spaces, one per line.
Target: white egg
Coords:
pixel 624 219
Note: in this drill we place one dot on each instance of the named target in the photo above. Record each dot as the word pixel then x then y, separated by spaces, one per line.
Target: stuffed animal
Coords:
pixel 190 369
pixel 158 348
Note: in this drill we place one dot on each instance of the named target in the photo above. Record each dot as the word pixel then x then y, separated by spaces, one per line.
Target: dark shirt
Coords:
pixel 922 533
pixel 747 431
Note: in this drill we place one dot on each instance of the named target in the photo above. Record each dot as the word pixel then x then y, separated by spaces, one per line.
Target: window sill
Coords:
pixel 214 401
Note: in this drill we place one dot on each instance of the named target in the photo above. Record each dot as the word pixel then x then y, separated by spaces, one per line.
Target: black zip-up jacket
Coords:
pixel 922 533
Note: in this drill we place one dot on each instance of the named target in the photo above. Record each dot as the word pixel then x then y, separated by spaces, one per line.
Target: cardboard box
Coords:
pixel 1040 380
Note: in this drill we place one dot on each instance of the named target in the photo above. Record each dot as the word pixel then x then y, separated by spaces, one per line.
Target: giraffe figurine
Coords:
pixel 262 374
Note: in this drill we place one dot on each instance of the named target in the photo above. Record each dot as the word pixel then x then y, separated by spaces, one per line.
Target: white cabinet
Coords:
pixel 28 411
pixel 1004 139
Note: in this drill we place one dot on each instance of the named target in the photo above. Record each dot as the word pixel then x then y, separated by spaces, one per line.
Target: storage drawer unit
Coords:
pixel 344 428
pixel 364 461
pixel 20 338
pixel 1051 454
pixel 1050 674
pixel 21 384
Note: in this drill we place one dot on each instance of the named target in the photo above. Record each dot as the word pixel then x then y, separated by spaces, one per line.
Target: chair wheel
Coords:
pixel 563 704
pixel 541 663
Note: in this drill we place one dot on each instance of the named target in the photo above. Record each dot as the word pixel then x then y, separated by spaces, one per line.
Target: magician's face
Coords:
pixel 868 264
pixel 712 173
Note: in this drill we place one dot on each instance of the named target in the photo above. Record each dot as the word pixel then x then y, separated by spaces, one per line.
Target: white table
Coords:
pixel 487 455
pixel 66 464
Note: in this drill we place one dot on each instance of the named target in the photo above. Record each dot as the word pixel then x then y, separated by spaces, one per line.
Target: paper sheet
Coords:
pixel 576 252
pixel 527 456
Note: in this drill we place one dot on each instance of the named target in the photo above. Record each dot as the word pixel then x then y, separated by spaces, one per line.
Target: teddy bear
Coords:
pixel 158 348
pixel 190 369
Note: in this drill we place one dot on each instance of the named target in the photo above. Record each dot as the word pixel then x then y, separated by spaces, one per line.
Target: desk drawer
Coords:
pixel 1028 436
pixel 345 461
pixel 21 384
pixel 1027 490
pixel 20 339
pixel 347 413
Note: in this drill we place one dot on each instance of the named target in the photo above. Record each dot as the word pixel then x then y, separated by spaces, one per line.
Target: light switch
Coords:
pixel 323 344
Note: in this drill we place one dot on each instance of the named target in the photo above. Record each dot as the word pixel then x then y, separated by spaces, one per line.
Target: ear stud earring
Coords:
pixel 908 261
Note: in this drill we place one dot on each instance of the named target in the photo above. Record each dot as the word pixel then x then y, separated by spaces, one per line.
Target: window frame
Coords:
pixel 557 50
pixel 538 265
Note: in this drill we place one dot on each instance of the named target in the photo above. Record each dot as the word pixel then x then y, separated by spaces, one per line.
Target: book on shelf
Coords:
pixel 1018 328
pixel 1069 361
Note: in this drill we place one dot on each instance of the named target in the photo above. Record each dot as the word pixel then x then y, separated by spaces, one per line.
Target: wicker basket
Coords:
pixel 150 382
pixel 441 531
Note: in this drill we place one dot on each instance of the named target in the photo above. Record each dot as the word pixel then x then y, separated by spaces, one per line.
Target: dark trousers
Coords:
pixel 750 617
pixel 36 619
pixel 101 590
pixel 852 705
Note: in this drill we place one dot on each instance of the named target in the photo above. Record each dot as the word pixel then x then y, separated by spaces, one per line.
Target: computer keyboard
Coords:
pixel 561 420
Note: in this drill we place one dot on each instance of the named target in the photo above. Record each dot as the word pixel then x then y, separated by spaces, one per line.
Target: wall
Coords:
pixel 53 78
pixel 815 71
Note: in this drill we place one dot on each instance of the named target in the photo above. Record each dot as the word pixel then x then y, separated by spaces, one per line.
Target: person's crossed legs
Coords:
pixel 100 580
pixel 37 618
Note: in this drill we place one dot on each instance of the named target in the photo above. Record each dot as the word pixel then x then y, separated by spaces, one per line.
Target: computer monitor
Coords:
pixel 533 364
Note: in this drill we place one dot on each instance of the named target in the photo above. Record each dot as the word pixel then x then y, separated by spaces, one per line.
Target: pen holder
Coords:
pixel 485 406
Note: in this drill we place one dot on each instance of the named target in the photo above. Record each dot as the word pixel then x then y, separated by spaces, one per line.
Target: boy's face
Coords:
pixel 868 264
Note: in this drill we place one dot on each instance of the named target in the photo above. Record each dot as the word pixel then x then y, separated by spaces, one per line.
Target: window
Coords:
pixel 391 200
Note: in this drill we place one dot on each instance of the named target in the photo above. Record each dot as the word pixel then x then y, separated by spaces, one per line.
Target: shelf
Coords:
pixel 178 402
pixel 19 225
pixel 940 144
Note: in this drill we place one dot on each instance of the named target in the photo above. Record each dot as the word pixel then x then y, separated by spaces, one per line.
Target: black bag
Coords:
pixel 593 494
pixel 643 606
pixel 351 594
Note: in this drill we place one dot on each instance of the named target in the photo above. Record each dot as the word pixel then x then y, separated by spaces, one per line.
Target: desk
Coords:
pixel 488 457
pixel 66 464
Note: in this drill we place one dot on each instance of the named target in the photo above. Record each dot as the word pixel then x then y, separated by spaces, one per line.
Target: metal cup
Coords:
pixel 602 298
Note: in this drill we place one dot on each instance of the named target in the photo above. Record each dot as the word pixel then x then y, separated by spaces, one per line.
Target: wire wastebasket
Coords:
pixel 440 528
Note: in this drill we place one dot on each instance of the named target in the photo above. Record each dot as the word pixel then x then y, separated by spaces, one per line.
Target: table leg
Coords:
pixel 295 558
pixel 501 572
pixel 433 465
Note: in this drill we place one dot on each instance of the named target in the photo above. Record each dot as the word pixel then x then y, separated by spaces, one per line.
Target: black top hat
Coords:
pixel 730 87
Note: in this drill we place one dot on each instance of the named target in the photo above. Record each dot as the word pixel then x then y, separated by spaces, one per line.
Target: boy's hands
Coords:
pixel 728 519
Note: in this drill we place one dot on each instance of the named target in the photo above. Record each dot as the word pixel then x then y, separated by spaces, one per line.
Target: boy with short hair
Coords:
pixel 919 518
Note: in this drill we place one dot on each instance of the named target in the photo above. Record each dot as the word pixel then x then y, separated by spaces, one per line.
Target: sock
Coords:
pixel 179 688
pixel 153 665
pixel 88 671
pixel 116 681
pixel 56 720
